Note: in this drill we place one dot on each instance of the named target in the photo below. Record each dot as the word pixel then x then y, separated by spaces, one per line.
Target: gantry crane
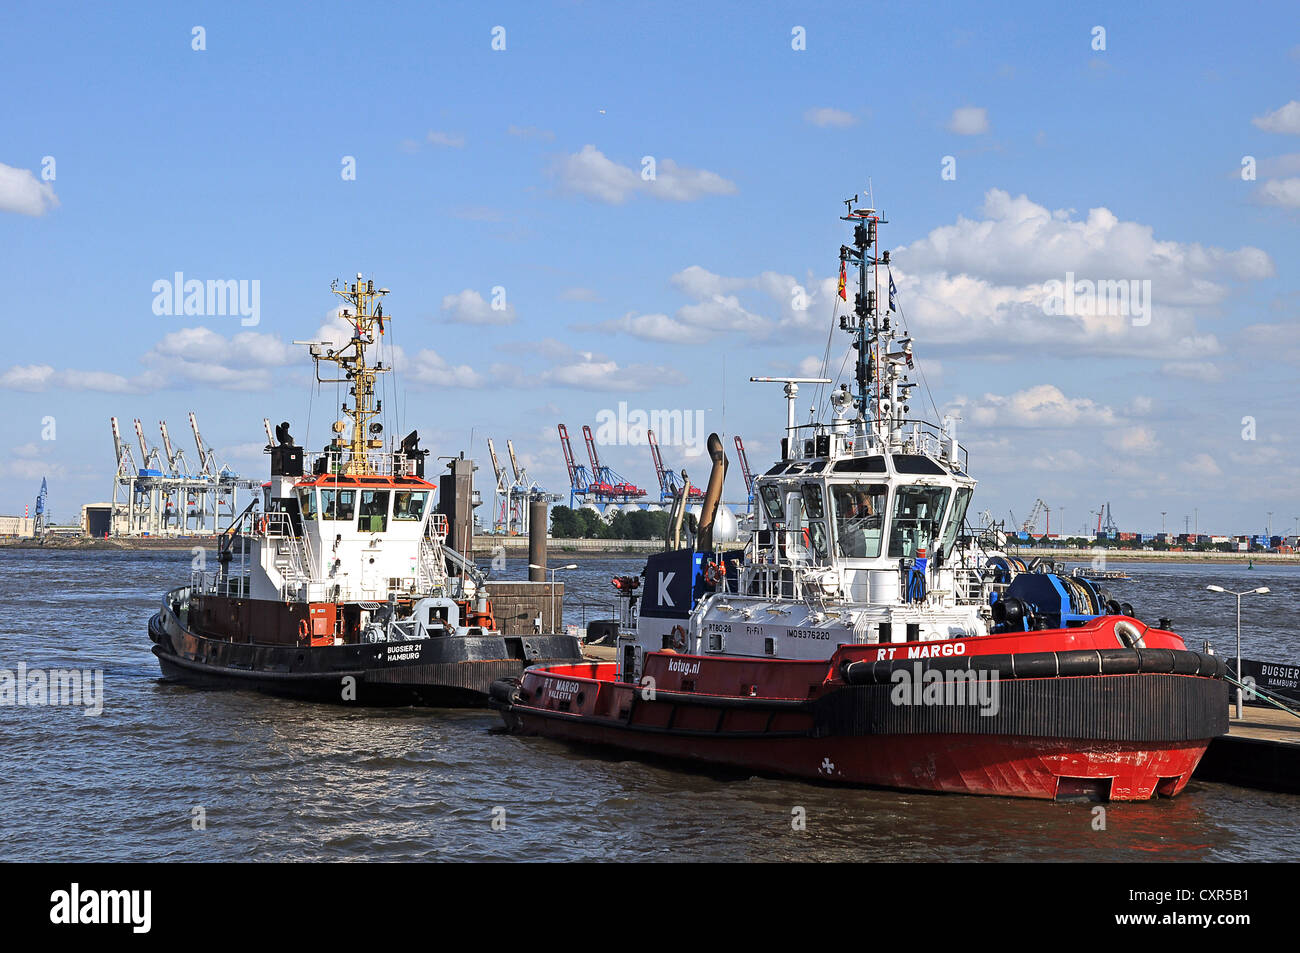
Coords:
pixel 579 480
pixel 745 471
pixel 605 483
pixel 669 482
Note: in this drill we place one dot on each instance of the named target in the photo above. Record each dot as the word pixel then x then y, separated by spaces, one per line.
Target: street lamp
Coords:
pixel 553 572
pixel 1249 592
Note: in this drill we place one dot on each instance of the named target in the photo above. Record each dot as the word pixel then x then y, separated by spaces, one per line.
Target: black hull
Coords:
pixel 439 672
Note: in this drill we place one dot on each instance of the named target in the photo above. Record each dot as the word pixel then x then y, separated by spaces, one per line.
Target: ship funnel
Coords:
pixel 712 495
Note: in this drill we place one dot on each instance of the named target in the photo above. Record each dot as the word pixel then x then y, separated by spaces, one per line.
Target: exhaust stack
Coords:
pixel 713 494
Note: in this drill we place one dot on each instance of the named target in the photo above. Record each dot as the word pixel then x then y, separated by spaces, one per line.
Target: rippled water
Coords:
pixel 282 780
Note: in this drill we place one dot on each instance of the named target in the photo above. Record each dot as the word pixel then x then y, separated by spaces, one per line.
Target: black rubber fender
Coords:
pixel 503 691
pixel 1073 663
pixel 1157 661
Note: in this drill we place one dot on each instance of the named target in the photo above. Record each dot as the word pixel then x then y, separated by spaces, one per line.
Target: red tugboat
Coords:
pixel 868 635
pixel 338 584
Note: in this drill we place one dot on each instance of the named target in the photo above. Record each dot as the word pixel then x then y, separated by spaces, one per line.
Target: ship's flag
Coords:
pixel 379 313
pixel 892 291
pixel 843 293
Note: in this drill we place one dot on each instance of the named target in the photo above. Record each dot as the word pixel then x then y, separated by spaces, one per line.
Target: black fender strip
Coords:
pixel 1146 707
pixel 1048 664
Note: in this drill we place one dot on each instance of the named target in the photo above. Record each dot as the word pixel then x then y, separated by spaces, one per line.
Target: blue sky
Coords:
pixel 521 169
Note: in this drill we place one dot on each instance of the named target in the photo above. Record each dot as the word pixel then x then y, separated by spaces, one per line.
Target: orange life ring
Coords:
pixel 304 629
pixel 679 639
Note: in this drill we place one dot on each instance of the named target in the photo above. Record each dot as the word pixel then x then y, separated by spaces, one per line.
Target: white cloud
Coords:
pixel 432 370
pixel 1285 119
pixel 1201 465
pixel 452 140
pixel 35 378
pixel 979 284
pixel 1279 342
pixel 717 309
pixel 1284 193
pixel 583 370
pixel 28 377
pixel 1139 440
pixel 829 116
pixel 202 356
pixel 468 307
pixel 21 192
pixel 1040 407
pixel 969 121
pixel 589 172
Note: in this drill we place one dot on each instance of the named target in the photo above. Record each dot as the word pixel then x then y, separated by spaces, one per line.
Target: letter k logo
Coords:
pixel 665 579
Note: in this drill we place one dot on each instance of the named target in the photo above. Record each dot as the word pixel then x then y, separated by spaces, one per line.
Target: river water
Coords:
pixel 278 780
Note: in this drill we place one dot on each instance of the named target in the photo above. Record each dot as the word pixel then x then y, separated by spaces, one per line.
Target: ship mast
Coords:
pixel 355 372
pixel 878 365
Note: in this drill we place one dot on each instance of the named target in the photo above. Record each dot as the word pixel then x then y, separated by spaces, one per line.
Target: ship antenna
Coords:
pixel 355 372
pixel 865 321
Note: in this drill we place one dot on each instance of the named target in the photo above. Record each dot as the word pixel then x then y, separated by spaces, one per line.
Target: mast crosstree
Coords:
pixel 365 315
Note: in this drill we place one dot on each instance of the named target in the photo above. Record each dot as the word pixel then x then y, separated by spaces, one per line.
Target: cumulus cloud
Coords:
pixel 969 121
pixel 981 283
pixel 1043 406
pixel 431 369
pixel 1138 440
pixel 583 370
pixel 1285 119
pixel 468 307
pixel 35 378
pixel 719 305
pixel 181 358
pixel 829 116
pixel 1201 465
pixel 243 361
pixel 590 173
pixel 22 192
pixel 1284 193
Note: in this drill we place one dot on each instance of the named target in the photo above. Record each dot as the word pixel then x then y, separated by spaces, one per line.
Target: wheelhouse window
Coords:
pixel 771 494
pixel 307 503
pixel 804 537
pixel 812 501
pixel 374 511
pixel 338 504
pixel 859 518
pixel 955 521
pixel 409 504
pixel 918 512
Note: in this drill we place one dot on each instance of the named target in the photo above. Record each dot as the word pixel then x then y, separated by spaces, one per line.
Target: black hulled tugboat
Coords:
pixel 338 585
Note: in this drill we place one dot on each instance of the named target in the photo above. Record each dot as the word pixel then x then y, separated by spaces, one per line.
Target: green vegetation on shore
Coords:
pixel 583 523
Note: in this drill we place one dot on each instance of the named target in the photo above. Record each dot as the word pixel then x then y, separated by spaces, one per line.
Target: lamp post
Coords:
pixel 552 593
pixel 1261 590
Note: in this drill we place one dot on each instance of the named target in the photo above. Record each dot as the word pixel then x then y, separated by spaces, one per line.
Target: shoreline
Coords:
pixel 517 547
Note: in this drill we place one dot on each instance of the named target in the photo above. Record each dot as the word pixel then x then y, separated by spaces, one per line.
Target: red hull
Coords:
pixel 956 764
pixel 1103 735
